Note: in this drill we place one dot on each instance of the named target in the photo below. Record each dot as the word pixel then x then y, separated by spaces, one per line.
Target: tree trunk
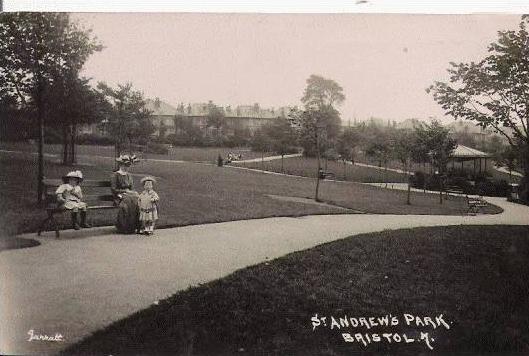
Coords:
pixel 40 174
pixel 319 167
pixel 440 189
pixel 524 183
pixel 386 173
pixel 282 164
pixel 408 201
pixel 73 137
pixel 64 145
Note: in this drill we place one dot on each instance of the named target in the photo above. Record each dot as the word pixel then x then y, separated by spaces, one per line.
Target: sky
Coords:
pixel 384 62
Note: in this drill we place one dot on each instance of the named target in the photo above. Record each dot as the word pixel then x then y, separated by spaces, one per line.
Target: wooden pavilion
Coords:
pixel 469 159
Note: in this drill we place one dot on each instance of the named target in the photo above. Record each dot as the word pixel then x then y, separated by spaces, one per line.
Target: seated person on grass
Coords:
pixel 70 195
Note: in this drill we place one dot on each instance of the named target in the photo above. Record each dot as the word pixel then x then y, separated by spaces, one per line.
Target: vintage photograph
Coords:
pixel 264 183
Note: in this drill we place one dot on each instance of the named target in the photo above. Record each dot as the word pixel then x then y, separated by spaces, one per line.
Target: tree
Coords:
pixel 186 132
pixel 347 141
pixel 436 140
pixel 128 119
pixel 345 146
pixel 402 147
pixel 216 119
pixel 494 92
pixel 321 92
pixel 319 123
pixel 37 49
pixel 380 151
pixel 509 157
pixel 259 143
pixel 281 137
pixel 314 125
pixel 162 130
pixel 71 101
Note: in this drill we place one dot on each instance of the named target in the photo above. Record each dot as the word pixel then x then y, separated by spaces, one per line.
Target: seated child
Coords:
pixel 148 203
pixel 70 196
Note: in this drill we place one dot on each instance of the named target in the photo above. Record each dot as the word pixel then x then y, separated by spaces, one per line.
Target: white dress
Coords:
pixel 72 197
pixel 148 203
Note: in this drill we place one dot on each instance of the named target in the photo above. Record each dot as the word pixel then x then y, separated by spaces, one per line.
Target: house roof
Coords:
pixel 163 109
pixel 466 152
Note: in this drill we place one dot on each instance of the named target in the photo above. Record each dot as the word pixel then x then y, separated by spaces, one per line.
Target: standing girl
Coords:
pixel 148 203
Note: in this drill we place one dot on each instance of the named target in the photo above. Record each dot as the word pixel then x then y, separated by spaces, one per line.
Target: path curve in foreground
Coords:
pixel 75 286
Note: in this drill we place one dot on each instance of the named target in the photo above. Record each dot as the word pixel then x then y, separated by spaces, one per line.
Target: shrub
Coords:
pixel 418 179
pixel 157 148
pixel 234 141
pixel 94 139
pixel 495 188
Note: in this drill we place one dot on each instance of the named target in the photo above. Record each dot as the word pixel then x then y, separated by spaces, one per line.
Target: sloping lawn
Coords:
pixel 307 167
pixel 475 276
pixel 194 193
pixel 192 154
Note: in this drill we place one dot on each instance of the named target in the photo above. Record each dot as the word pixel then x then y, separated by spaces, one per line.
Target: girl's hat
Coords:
pixel 127 160
pixel 145 179
pixel 73 174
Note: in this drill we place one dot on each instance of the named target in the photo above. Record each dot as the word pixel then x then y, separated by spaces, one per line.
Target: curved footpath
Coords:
pixel 76 285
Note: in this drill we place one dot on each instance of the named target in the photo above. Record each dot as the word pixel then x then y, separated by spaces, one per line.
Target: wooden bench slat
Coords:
pixel 101 207
pixel 86 183
pixel 99 197
pixel 51 198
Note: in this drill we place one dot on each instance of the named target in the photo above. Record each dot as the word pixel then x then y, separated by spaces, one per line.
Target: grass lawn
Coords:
pixel 307 167
pixel 475 276
pixel 194 193
pixel 192 154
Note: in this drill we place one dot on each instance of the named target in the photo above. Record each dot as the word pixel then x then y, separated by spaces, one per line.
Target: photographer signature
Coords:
pixel 33 336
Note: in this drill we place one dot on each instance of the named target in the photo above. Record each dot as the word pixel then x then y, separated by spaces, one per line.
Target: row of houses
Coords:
pixel 241 117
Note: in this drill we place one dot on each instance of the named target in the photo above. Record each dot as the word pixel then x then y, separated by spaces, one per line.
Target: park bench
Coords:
pixel 475 204
pixel 326 175
pixel 454 190
pixel 96 193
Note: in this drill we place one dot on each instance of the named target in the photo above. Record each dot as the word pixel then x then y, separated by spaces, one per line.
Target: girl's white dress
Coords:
pixel 148 203
pixel 72 196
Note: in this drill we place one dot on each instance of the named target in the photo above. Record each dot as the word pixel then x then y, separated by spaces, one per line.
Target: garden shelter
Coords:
pixel 463 154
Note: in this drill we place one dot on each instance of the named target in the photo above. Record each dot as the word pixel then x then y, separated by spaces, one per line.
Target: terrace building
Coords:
pixel 244 117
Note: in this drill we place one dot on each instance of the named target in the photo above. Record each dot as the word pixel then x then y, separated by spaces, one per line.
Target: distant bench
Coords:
pixel 326 175
pixel 475 205
pixel 454 189
pixel 92 195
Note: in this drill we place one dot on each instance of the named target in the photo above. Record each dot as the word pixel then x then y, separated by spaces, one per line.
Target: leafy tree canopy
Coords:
pixel 128 119
pixel 37 49
pixel 322 92
pixel 493 92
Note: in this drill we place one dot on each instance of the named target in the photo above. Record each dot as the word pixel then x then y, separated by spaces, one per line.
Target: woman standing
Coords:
pixel 125 197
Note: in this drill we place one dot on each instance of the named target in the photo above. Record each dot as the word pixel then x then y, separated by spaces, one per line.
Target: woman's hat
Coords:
pixel 73 174
pixel 126 159
pixel 148 178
